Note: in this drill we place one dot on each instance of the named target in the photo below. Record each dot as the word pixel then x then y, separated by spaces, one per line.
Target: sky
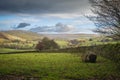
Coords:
pixel 46 16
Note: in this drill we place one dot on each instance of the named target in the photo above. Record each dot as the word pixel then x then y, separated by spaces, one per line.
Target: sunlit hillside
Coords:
pixel 27 35
pixel 7 36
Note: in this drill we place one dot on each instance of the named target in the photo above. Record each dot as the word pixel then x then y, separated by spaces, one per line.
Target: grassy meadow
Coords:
pixel 8 50
pixel 19 60
pixel 54 66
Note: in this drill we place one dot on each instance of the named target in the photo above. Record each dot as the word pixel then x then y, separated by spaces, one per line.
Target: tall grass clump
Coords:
pixel 112 52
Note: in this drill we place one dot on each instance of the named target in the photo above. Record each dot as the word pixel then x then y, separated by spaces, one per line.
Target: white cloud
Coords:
pixel 64 28
pixel 59 27
pixel 63 15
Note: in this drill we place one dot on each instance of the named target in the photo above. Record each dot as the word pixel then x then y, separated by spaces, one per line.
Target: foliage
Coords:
pixel 112 52
pixel 39 46
pixel 107 17
pixel 17 45
pixel 47 44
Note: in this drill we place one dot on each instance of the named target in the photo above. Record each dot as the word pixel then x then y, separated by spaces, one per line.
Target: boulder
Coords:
pixel 89 57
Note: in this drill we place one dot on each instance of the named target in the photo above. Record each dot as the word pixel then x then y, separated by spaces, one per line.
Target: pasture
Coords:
pixel 54 66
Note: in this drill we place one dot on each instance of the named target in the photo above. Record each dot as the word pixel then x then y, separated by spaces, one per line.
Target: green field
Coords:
pixel 62 43
pixel 5 50
pixel 8 50
pixel 54 66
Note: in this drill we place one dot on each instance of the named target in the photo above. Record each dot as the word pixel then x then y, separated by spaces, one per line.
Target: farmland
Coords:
pixel 54 66
pixel 20 60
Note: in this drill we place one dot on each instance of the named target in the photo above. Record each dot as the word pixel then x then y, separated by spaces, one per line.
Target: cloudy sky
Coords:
pixel 46 16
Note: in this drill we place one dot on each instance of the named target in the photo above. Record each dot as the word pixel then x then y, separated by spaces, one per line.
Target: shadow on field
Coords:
pixel 18 77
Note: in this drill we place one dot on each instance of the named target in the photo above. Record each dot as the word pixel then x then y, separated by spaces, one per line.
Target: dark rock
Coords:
pixel 89 57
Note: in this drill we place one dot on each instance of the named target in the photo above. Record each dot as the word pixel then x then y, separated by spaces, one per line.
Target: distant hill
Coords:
pixel 19 35
pixel 3 35
pixel 27 35
pixel 70 36
pixel 6 36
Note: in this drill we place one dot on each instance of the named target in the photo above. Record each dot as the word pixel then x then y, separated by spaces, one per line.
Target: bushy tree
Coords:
pixel 39 46
pixel 47 44
pixel 107 17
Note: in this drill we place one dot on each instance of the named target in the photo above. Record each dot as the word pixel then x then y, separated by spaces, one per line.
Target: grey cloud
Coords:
pixel 43 6
pixel 22 25
pixel 59 27
pixel 42 29
pixel 63 27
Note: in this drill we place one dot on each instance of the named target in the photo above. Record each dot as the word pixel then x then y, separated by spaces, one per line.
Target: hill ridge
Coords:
pixel 20 34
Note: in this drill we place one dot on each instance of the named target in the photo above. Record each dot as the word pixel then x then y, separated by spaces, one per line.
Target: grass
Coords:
pixel 54 66
pixel 2 50
pixel 8 50
pixel 95 42
pixel 62 43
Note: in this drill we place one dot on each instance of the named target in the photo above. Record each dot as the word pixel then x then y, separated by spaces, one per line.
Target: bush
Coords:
pixel 46 44
pixel 39 46
pixel 112 52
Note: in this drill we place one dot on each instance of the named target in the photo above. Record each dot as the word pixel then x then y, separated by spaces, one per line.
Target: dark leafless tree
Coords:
pixel 107 17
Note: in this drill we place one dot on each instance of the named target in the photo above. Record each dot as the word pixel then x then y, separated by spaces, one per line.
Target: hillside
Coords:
pixel 70 36
pixel 3 36
pixel 6 36
pixel 27 35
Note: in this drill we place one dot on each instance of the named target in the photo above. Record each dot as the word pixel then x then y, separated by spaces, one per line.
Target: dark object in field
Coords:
pixel 89 57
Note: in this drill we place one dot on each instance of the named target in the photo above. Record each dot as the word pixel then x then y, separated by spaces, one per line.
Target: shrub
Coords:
pixel 47 44
pixel 112 52
pixel 39 46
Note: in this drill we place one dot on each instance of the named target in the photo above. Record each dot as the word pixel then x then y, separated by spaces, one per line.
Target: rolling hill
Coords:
pixel 19 35
pixel 6 36
pixel 27 35
pixel 70 36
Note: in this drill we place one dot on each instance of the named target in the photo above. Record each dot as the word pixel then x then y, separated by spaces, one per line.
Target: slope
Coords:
pixel 24 34
pixel 6 36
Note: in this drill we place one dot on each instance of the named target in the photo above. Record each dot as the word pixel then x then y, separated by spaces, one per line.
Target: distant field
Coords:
pixel 7 50
pixel 91 43
pixel 54 66
pixel 3 50
pixel 62 43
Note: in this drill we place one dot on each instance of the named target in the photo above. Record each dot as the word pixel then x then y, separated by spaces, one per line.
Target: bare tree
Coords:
pixel 107 17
